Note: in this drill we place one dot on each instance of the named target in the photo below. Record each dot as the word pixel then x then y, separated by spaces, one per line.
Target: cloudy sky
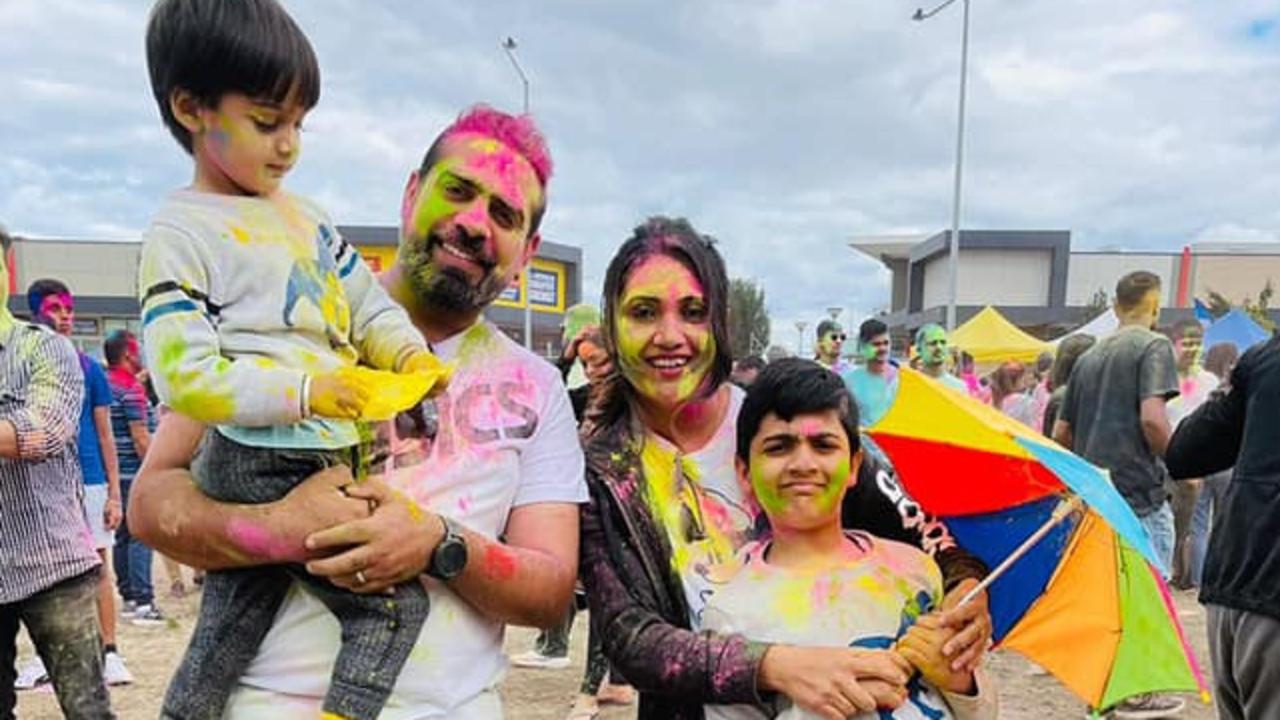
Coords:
pixel 781 127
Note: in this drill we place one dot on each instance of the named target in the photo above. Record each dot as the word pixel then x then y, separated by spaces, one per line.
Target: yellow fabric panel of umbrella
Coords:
pixel 991 339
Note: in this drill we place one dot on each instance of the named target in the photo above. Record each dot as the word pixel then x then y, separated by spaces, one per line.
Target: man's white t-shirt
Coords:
pixel 506 438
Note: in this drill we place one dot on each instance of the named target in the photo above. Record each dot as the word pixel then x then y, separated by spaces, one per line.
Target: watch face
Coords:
pixel 451 557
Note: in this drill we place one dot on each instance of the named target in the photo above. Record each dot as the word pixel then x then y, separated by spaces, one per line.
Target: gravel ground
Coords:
pixel 152 653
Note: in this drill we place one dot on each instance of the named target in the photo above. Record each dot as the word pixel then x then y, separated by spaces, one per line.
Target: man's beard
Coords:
pixel 450 289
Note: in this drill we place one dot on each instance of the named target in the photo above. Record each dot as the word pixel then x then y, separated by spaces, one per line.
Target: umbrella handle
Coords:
pixel 1064 508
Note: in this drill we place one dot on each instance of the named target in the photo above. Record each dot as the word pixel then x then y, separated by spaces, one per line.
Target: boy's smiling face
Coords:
pixel 800 468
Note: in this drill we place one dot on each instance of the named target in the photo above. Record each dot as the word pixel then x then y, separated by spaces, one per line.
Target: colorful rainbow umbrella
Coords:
pixel 1086 601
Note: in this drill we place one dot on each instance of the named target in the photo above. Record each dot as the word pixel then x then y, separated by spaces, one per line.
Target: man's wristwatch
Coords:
pixel 450 556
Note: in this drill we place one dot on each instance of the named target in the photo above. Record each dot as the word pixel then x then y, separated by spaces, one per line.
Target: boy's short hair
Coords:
pixel 791 387
pixel 42 288
pixel 827 326
pixel 213 47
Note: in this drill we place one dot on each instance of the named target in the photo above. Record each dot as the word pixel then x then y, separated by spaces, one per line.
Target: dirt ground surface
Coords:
pixel 153 652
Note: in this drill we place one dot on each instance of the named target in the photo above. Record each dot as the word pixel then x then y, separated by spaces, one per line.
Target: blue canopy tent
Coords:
pixel 1238 328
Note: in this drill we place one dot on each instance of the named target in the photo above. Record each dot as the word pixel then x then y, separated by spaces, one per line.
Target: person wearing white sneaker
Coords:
pixel 535 659
pixel 114 670
pixel 52 303
pixel 31 674
pixel 148 616
pixel 48 568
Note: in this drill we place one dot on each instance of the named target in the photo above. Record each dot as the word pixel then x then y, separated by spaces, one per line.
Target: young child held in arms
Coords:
pixel 256 314
pixel 812 583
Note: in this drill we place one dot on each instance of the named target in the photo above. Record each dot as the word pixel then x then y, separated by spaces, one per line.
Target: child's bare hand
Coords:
pixel 339 394
pixel 423 361
pixel 922 647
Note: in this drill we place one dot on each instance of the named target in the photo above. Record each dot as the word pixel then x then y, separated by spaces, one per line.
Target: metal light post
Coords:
pixel 509 45
pixel 800 326
pixel 920 16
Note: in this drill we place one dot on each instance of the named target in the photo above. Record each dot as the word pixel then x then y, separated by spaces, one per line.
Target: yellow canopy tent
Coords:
pixel 991 339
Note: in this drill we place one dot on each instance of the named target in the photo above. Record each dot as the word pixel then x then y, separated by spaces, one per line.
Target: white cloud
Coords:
pixel 781 126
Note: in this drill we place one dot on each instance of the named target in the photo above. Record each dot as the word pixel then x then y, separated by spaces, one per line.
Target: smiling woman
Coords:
pixel 668 514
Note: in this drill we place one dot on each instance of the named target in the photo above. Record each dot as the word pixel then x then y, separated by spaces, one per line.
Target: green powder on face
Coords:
pixel 773 503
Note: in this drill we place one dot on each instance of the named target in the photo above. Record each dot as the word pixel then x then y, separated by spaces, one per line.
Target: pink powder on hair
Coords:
pixel 515 131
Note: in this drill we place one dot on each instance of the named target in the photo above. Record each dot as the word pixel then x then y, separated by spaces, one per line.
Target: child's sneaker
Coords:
pixel 32 674
pixel 114 670
pixel 147 614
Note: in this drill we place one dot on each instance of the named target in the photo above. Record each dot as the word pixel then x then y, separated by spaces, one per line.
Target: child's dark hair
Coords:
pixel 791 387
pixel 213 47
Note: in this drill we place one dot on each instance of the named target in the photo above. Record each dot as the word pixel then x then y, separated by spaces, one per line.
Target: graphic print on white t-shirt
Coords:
pixel 868 602
pixel 504 436
pixel 705 533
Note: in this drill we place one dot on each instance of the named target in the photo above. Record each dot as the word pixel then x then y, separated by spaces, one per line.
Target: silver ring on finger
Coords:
pixel 360 578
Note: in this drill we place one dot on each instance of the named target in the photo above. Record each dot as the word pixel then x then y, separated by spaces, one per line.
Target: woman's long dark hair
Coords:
pixel 677 239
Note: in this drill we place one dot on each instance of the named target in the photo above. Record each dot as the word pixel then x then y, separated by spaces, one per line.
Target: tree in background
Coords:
pixel 748 318
pixel 1098 304
pixel 1219 306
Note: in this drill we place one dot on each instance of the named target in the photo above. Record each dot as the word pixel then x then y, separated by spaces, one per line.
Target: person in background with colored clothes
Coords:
pixel 1194 387
pixel 130 416
pixel 798 454
pixel 96 448
pixel 48 568
pixel 875 383
pixel 1069 351
pixel 1219 360
pixel 1241 585
pixel 1114 416
pixel 1009 392
pixel 934 353
pixel 829 347
pixel 1042 390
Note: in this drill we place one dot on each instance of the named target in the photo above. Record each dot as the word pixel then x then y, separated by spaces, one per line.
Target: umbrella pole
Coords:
pixel 1068 505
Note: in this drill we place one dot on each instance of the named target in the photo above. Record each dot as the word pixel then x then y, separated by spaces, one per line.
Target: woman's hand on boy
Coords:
pixel 836 683
pixel 922 646
pixel 971 623
pixel 389 547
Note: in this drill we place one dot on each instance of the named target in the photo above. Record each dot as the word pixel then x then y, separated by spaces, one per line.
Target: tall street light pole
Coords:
pixel 920 16
pixel 509 45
